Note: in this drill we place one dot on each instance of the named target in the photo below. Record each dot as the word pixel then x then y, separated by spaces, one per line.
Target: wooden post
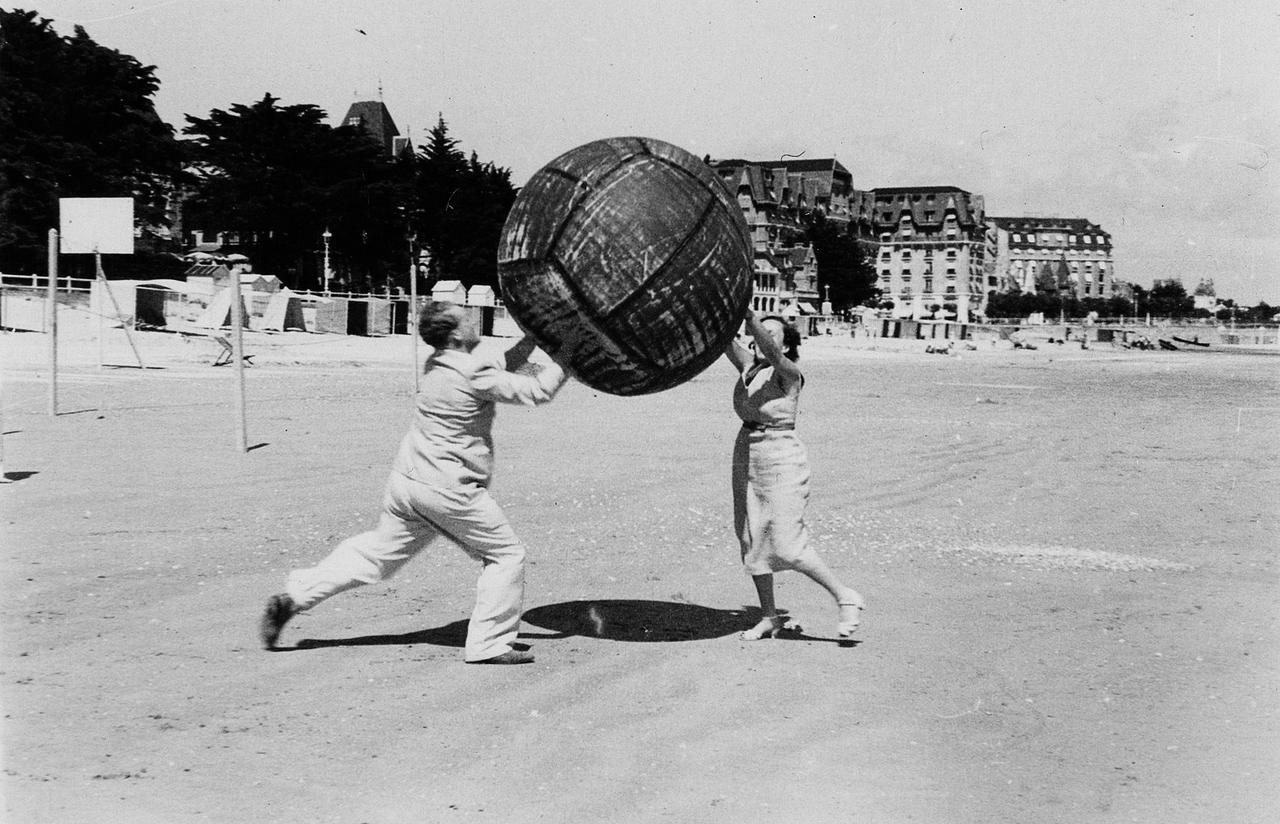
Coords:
pixel 4 479
pixel 102 360
pixel 102 279
pixel 51 322
pixel 237 356
pixel 413 318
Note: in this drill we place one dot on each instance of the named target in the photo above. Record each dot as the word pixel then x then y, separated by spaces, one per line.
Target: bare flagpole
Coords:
pixel 413 318
pixel 102 313
pixel 237 356
pixel 51 322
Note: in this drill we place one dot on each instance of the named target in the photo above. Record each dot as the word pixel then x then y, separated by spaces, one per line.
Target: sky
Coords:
pixel 1160 121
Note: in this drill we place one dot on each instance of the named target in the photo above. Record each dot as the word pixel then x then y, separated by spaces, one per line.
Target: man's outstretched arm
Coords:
pixel 504 386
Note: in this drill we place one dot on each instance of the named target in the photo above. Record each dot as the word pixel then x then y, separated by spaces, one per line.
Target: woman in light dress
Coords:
pixel 771 475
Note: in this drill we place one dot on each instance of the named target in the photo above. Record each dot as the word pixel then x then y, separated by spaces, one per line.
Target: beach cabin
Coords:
pixel 284 313
pixel 450 291
pixel 480 295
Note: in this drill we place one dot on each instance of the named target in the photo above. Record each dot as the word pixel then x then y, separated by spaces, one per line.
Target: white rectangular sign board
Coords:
pixel 96 224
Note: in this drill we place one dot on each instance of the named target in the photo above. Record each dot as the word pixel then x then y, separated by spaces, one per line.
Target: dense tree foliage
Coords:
pixel 279 177
pixel 76 120
pixel 1167 299
pixel 459 208
pixel 1054 304
pixel 843 265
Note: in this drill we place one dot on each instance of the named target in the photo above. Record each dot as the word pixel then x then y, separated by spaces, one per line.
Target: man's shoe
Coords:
pixel 280 608
pixel 511 656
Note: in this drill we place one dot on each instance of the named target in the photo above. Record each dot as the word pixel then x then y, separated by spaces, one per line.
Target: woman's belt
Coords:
pixel 768 427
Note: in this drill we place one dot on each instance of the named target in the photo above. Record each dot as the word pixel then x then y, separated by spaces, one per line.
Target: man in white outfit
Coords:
pixel 439 486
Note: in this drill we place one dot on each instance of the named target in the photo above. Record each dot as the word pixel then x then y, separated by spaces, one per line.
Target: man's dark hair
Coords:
pixel 790 338
pixel 436 323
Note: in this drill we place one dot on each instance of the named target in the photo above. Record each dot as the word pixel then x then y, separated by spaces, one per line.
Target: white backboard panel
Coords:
pixel 96 224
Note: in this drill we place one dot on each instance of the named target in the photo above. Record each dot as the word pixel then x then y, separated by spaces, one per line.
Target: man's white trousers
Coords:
pixel 413 516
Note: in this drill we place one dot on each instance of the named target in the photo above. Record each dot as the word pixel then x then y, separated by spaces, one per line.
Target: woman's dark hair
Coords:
pixel 436 323
pixel 790 337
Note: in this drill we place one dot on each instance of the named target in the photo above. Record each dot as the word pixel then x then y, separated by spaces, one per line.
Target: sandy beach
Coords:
pixel 1069 558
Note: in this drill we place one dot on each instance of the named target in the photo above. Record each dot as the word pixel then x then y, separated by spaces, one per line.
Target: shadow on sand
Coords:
pixel 613 620
pixel 617 620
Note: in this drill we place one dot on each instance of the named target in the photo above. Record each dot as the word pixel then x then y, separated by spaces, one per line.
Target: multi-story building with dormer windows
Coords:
pixel 932 248
pixel 775 197
pixel 1037 254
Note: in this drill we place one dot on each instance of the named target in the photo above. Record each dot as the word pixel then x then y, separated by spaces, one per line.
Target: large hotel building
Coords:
pixel 933 248
pixel 774 196
pixel 1036 254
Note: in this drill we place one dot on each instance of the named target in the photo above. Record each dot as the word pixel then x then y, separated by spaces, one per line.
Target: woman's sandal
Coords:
pixel 850 616
pixel 767 628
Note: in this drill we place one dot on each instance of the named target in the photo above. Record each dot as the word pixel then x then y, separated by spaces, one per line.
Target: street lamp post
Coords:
pixel 327 234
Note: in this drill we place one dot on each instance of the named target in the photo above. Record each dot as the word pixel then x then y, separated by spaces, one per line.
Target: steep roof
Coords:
pixel 1066 224
pixel 819 174
pixel 374 118
pixel 924 204
pixel 817 164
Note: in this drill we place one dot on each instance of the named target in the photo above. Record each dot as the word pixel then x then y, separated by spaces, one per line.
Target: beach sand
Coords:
pixel 1069 559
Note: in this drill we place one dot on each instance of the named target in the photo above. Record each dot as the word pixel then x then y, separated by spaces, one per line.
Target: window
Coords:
pixel 884 255
pixel 355 120
pixel 884 273
pixel 906 255
pixel 1017 237
pixel 951 254
pixel 1071 239
pixel 1031 238
pixel 885 237
pixel 929 215
pixel 951 271
pixel 1088 238
pixel 887 216
pixel 928 285
pixel 951 289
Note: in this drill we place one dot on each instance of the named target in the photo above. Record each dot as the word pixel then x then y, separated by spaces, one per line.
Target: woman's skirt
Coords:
pixel 770 493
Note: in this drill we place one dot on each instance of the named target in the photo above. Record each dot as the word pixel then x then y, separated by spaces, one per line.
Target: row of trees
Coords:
pixel 78 119
pixel 1166 299
pixel 279 178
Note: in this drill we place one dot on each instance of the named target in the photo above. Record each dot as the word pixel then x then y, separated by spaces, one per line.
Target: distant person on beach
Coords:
pixel 439 487
pixel 771 475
